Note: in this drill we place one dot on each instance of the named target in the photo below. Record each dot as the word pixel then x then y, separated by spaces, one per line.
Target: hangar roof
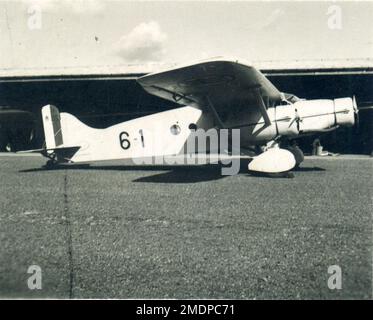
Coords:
pixel 132 71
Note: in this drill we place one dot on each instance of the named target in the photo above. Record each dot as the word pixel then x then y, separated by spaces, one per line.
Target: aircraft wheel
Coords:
pixel 297 153
pixel 50 164
pixel 289 175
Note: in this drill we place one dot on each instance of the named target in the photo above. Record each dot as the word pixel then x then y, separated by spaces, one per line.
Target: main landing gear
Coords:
pixel 291 146
pixel 297 153
pixel 275 161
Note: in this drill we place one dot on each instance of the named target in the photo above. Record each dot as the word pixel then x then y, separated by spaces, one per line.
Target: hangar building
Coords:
pixel 103 96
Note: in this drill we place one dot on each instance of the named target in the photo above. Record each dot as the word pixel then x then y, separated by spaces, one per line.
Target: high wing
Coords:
pixel 217 85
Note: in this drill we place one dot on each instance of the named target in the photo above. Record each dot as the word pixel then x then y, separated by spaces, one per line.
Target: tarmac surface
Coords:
pixel 114 231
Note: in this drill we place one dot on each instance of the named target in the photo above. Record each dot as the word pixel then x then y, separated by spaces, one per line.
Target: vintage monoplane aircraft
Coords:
pixel 215 94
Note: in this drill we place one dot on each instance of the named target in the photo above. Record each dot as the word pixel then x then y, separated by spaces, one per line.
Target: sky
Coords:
pixel 68 33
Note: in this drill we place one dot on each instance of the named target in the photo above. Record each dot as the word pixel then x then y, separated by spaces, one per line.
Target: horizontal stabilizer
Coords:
pixel 32 151
pixel 62 154
pixel 44 150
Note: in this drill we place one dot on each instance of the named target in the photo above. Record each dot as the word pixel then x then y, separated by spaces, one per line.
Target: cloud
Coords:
pixel 145 43
pixel 272 18
pixel 76 6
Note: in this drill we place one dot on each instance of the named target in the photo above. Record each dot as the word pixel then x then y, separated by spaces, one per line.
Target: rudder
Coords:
pixel 52 126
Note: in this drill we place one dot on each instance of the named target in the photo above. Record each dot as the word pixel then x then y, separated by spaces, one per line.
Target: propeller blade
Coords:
pixel 354 103
pixel 365 108
pixel 356 113
pixel 296 118
pixel 292 121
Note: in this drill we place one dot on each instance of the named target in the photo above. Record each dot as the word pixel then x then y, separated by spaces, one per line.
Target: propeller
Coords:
pixel 356 113
pixel 367 107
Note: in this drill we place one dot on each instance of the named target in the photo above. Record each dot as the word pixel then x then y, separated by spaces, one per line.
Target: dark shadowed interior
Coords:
pixel 101 102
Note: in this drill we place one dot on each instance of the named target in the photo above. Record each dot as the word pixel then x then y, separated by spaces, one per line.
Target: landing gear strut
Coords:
pixel 52 162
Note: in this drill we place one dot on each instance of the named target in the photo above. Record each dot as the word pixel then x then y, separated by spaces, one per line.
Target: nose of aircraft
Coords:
pixel 346 112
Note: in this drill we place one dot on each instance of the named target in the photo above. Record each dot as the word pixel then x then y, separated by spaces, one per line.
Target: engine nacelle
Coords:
pixel 303 117
pixel 322 115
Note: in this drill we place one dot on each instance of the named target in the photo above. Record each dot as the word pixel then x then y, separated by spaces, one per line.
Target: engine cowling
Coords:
pixel 304 117
pixel 321 115
pixel 345 109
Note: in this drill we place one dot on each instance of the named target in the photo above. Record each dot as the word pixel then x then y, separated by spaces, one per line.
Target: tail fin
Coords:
pixel 55 126
pixel 52 127
pixel 61 133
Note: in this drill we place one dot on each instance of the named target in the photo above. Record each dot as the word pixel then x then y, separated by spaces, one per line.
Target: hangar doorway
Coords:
pixel 102 102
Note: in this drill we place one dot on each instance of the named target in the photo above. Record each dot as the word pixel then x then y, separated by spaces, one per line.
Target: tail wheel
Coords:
pixel 50 164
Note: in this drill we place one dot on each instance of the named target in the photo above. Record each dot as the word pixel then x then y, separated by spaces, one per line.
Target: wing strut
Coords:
pixel 262 107
pixel 214 113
